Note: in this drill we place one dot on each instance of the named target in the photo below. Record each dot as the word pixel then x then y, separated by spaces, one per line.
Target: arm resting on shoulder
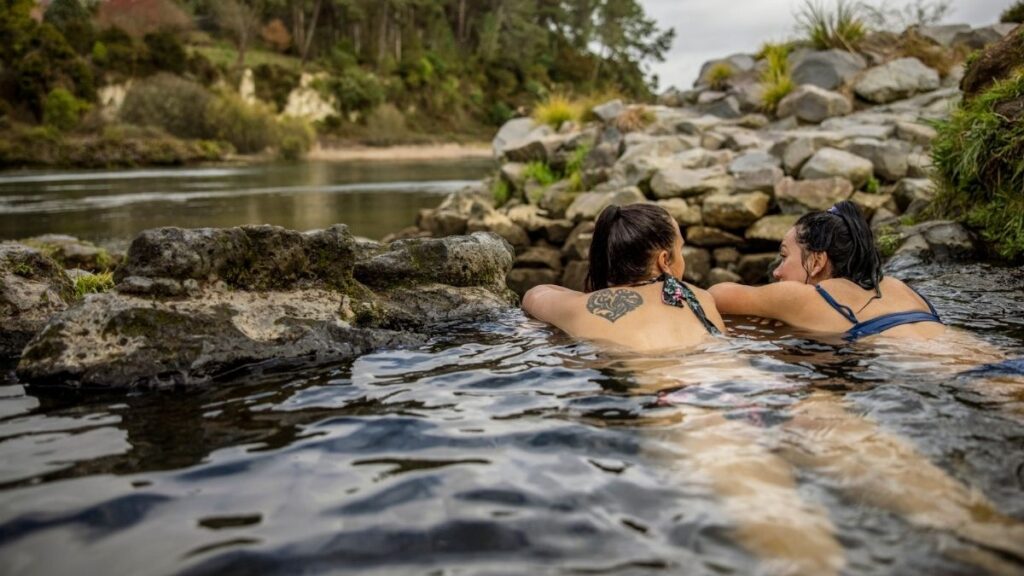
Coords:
pixel 779 301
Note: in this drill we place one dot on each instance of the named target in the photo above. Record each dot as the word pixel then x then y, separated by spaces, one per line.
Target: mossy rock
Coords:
pixel 995 63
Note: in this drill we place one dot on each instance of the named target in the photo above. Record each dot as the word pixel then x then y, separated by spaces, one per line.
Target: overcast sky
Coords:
pixel 707 29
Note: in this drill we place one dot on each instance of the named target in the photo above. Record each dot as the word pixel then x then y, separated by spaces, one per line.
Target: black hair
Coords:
pixel 625 239
pixel 843 234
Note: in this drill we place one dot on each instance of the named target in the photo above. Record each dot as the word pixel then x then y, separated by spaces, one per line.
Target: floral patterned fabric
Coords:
pixel 678 294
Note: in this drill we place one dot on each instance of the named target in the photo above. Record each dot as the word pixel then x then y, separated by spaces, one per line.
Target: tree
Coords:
pixel 276 35
pixel 239 22
pixel 73 21
pixel 141 17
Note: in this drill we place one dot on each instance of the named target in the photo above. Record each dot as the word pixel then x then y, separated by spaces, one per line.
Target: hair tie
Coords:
pixel 834 210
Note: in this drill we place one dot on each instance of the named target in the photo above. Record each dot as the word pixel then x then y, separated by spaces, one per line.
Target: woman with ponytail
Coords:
pixel 635 296
pixel 830 280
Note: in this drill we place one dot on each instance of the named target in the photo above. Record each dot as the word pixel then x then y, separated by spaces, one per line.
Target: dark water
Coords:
pixel 373 198
pixel 505 448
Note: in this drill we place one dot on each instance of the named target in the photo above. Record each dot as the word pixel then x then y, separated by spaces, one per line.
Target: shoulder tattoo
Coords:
pixel 613 304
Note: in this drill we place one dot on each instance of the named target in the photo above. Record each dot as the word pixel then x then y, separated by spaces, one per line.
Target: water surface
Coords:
pixel 503 447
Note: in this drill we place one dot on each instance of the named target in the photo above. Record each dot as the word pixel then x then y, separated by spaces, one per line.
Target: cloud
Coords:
pixel 707 29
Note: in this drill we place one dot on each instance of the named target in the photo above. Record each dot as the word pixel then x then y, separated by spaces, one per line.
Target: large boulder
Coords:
pixel 810 103
pixel 897 79
pixel 756 171
pixel 682 212
pixel 979 38
pixel 515 132
pixel 589 205
pixel 261 294
pixel 32 289
pixel 771 229
pixel 889 157
pixel 739 65
pixel 831 162
pixel 674 182
pixel 733 211
pixel 828 69
pixel 798 197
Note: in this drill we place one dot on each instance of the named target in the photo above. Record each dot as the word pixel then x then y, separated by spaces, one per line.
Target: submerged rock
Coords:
pixel 191 304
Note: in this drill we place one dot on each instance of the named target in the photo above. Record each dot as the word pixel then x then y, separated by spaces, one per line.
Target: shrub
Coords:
pixel 165 52
pixel 841 27
pixel 1014 13
pixel 979 160
pixel 540 173
pixel 386 124
pixel 274 83
pixel 73 21
pixel 574 167
pixel 276 35
pixel 354 90
pixel 169 102
pixel 294 138
pixel 872 186
pixel 250 128
pixel 719 76
pixel 141 17
pixel 99 53
pixel 776 80
pixel 555 110
pixel 501 191
pixel 62 110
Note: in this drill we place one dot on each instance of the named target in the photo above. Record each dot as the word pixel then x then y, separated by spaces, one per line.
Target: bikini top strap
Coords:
pixel 844 310
pixel 926 301
pixel 678 294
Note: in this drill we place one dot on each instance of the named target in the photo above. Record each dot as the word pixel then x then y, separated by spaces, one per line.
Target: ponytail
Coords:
pixel 842 233
pixel 625 240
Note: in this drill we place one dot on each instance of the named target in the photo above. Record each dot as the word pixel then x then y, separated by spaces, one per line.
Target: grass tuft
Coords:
pixel 634 118
pixel 556 110
pixel 776 78
pixel 93 284
pixel 719 76
pixel 840 27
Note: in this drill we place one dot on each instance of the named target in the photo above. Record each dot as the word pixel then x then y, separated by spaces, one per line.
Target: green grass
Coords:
pixel 888 241
pixel 93 284
pixel 979 161
pixel 540 173
pixel 841 26
pixel 556 110
pixel 776 78
pixel 872 186
pixel 501 192
pixel 719 76
pixel 574 167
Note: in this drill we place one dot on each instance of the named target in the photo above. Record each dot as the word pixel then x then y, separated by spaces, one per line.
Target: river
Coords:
pixel 373 198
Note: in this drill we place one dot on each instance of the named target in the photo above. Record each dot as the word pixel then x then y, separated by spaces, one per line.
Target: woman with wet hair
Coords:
pixel 635 296
pixel 830 280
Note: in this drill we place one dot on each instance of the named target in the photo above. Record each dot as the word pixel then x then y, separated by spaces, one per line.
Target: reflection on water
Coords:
pixel 503 447
pixel 374 199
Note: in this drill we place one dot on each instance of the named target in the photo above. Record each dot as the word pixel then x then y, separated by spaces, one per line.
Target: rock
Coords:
pixel 916 133
pixel 771 228
pixel 942 34
pixel 537 147
pixel 756 171
pixel 500 224
pixel 978 38
pixel 917 192
pixel 701 158
pixel 307 102
pixel 869 204
pixel 452 215
pixel 897 79
pixel 511 133
pixel 70 252
pixel 609 110
pixel 828 70
pixel 750 96
pixel 575 275
pixel 797 152
pixel 728 107
pixel 919 165
pixel 698 265
pixel 642 160
pixel 796 197
pixel 948 241
pixel 577 246
pixel 867 131
pixel 738 64
pixel 734 211
pixel 540 257
pixel 753 161
pixel 755 268
pixel 889 158
pixel 32 289
pixel 726 257
pixel 740 139
pixel 681 183
pixel 831 162
pixel 710 237
pixel 589 205
pixel 557 198
pixel 682 212
pixel 812 104
pixel 515 174
pixel 318 308
pixel 719 275
pixel 522 279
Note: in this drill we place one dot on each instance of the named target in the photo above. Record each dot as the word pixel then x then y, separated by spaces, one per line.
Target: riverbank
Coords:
pixel 331 153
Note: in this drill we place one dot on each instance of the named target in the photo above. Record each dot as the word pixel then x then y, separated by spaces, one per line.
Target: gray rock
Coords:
pixel 515 174
pixel 557 198
pixel 755 268
pixel 889 158
pixel 682 212
pixel 895 80
pixel 913 191
pixel 698 265
pixel 979 38
pixel 641 160
pixel 737 63
pixel 540 257
pixel 753 161
pixel 32 289
pixel 728 107
pixel 500 224
pixel 680 183
pixel 323 310
pixel 720 275
pixel 870 204
pixel 710 237
pixel 830 162
pixel 948 241
pixel 577 246
pixel 916 133
pixel 726 257
pixel 919 165
pixel 609 110
pixel 796 197
pixel 513 132
pixel 734 211
pixel 750 96
pixel 810 103
pixel 798 152
pixel 829 69
pixel 943 34
pixel 756 171
pixel 771 228
pixel 589 205
pixel 575 275
pixel 70 252
pixel 534 149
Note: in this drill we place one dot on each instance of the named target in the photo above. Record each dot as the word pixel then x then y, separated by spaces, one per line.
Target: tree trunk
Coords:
pixel 462 21
pixel 309 37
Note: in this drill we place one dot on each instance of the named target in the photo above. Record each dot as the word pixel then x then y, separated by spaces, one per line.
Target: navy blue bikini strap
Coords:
pixel 926 301
pixel 844 310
